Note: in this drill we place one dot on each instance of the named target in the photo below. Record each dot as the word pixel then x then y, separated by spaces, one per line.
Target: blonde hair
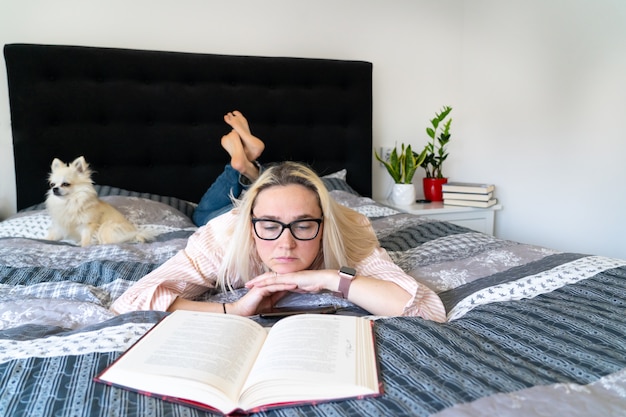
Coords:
pixel 347 236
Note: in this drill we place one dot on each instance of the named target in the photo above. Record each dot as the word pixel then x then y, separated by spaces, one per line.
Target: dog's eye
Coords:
pixel 65 184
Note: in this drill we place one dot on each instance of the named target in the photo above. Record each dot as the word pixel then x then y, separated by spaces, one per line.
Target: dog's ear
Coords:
pixel 57 163
pixel 80 164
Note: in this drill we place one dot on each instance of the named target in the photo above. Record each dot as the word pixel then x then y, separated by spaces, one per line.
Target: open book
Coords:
pixel 228 363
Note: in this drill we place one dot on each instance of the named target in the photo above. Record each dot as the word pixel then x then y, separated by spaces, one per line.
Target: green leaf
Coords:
pixel 409 165
pixel 443 113
pixel 391 169
pixel 446 126
pixel 419 158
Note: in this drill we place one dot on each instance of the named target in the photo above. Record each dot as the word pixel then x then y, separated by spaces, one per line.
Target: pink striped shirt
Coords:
pixel 193 271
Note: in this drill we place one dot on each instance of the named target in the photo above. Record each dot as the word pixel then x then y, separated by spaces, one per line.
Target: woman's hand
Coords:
pixel 260 299
pixel 308 281
pixel 256 301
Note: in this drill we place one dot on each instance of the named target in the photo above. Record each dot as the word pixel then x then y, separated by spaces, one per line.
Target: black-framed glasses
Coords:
pixel 305 229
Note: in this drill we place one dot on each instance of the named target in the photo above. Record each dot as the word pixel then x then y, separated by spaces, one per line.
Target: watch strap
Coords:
pixel 346 275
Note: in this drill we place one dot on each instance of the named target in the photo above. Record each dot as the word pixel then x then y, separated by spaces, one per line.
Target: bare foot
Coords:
pixel 238 159
pixel 253 146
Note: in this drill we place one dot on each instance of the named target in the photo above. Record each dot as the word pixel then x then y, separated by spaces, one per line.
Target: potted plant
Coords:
pixel 435 153
pixel 402 166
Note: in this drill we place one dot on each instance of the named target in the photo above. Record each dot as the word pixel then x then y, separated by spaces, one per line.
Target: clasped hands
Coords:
pixel 267 289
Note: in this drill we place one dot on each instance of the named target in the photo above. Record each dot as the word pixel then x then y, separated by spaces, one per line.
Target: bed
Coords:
pixel 531 331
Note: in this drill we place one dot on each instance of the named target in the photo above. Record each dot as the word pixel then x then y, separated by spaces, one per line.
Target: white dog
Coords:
pixel 78 214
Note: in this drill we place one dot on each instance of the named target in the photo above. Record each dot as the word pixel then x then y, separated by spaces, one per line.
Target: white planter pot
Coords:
pixel 403 194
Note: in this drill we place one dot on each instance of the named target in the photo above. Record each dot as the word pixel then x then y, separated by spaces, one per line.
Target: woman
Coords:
pixel 285 234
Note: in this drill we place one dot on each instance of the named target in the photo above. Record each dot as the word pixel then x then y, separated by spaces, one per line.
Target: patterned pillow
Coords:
pixel 337 182
pixel 363 205
pixel 34 225
pixel 157 216
pixel 105 190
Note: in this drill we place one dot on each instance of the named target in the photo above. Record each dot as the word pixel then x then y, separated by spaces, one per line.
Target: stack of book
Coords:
pixel 468 194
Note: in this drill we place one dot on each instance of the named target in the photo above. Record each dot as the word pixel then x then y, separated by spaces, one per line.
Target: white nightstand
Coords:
pixel 479 219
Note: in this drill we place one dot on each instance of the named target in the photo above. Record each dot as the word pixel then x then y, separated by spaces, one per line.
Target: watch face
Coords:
pixel 348 271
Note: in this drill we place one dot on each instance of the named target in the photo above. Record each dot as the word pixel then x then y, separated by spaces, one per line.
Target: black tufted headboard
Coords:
pixel 151 121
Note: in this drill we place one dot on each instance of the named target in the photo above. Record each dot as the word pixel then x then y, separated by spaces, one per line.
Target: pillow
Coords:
pixel 337 182
pixel 142 211
pixel 160 217
pixel 186 207
pixel 341 174
pixel 363 205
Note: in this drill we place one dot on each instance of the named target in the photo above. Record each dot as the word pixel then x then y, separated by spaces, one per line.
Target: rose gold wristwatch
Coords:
pixel 346 275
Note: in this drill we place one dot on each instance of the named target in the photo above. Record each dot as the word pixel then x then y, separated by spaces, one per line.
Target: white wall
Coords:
pixel 544 117
pixel 536 85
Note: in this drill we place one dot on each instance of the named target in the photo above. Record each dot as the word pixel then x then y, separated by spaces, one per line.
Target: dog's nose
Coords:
pixel 56 191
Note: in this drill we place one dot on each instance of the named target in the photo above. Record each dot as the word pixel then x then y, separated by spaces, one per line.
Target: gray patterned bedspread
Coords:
pixel 530 330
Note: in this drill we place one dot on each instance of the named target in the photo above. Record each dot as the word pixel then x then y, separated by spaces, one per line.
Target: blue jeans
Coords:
pixel 216 200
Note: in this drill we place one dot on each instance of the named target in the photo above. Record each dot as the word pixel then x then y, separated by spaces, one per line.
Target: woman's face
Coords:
pixel 286 204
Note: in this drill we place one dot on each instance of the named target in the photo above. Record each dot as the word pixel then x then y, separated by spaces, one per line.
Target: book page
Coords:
pixel 214 349
pixel 313 356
